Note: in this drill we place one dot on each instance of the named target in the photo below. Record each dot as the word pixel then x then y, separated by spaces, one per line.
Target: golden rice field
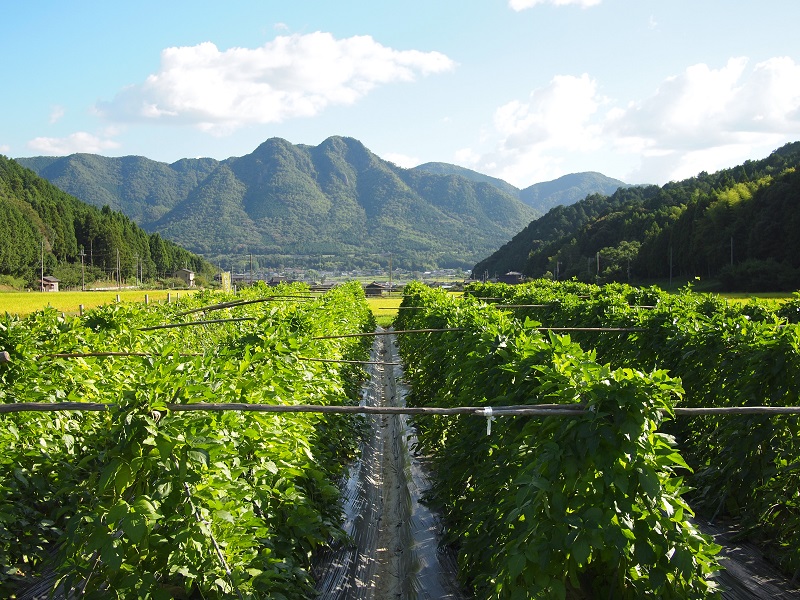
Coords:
pixel 24 303
pixel 384 308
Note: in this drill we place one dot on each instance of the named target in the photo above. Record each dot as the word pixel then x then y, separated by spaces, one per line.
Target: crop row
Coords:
pixel 745 467
pixel 140 502
pixel 553 507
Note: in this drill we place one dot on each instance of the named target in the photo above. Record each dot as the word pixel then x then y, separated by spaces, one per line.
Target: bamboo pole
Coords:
pixel 521 305
pixel 565 410
pixel 100 354
pixel 374 333
pixel 234 303
pixel 209 322
pixel 590 328
pixel 349 362
pixel 54 406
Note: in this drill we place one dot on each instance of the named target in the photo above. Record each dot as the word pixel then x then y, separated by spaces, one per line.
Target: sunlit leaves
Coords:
pixel 137 496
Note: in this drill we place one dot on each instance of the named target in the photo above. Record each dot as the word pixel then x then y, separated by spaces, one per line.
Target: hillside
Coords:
pixel 568 189
pixel 38 218
pixel 332 205
pixel 440 168
pixel 738 225
pixel 543 196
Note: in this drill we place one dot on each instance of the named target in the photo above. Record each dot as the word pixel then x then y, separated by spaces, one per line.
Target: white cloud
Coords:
pixel 77 142
pixel 291 76
pixel 402 160
pixel 56 113
pixel 524 4
pixel 530 137
pixel 5 149
pixel 704 119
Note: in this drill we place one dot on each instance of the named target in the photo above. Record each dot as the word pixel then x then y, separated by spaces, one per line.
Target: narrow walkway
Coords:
pixel 747 575
pixel 394 552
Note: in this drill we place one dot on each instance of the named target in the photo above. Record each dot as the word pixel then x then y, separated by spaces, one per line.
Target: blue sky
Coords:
pixel 527 90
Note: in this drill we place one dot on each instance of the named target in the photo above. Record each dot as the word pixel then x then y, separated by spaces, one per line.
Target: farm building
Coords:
pixel 187 275
pixel 49 284
pixel 377 289
pixel 512 277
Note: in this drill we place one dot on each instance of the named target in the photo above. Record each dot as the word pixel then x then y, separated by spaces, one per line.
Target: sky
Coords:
pixel 646 91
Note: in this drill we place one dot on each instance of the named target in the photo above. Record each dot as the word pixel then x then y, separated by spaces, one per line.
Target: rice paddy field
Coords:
pixel 24 303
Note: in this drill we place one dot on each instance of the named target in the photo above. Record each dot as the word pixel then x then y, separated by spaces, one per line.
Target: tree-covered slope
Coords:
pixel 568 189
pixel 738 225
pixel 143 189
pixel 35 215
pixel 543 196
pixel 440 168
pixel 295 203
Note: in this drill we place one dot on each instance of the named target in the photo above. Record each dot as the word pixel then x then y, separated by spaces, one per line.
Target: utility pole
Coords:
pixel 41 281
pixel 119 272
pixel 390 272
pixel 251 269
pixel 83 274
pixel 136 269
pixel 598 265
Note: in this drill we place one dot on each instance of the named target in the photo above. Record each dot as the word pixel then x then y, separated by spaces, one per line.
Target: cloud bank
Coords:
pixel 77 142
pixel 289 77
pixel 727 114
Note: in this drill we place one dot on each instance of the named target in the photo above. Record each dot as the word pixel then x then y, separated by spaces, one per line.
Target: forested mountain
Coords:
pixel 336 204
pixel 35 215
pixel 543 196
pixel 737 225
pixel 440 168
pixel 568 189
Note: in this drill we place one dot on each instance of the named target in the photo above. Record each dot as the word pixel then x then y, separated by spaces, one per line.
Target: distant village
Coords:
pixel 376 281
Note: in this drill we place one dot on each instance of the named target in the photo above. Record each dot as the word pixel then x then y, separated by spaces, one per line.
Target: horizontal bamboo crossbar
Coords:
pixel 209 322
pixel 590 328
pixel 375 333
pixel 235 303
pixel 574 410
pixel 116 353
pixel 349 362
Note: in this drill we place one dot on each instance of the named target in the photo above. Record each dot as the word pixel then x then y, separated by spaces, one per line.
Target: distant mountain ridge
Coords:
pixel 569 189
pixel 543 196
pixel 43 228
pixel 335 204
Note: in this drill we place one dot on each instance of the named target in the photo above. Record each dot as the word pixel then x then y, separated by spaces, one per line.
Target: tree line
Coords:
pixel 737 226
pixel 42 227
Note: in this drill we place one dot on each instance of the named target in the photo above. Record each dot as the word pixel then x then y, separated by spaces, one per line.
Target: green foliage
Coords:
pixel 726 355
pixel 709 226
pixel 36 216
pixel 551 507
pixel 139 499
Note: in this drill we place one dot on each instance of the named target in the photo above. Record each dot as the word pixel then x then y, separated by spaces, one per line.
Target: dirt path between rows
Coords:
pixel 395 551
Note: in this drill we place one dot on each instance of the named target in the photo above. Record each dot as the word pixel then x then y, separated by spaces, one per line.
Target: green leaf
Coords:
pixel 117 512
pixel 198 455
pixel 516 563
pixel 580 550
pixel 135 527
